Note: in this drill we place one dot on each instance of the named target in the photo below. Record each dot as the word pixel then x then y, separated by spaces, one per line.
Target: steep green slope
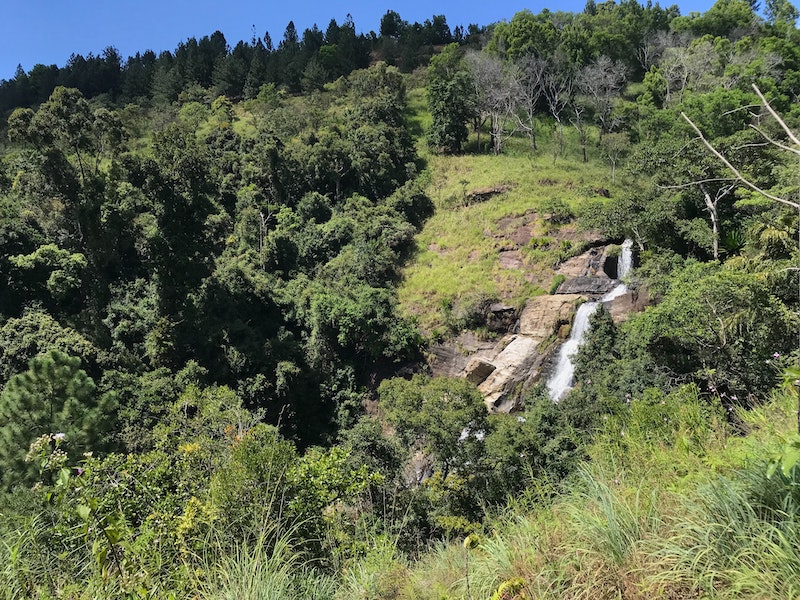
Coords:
pixel 488 206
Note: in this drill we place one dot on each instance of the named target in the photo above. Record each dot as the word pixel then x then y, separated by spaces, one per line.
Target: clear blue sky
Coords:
pixel 48 31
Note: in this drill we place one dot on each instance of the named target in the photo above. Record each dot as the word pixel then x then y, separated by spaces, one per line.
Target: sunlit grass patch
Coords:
pixel 483 203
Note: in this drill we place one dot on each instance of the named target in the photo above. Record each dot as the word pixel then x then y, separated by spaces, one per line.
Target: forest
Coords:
pixel 227 270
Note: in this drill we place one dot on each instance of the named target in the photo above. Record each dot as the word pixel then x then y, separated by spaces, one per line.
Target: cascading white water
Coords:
pixel 561 380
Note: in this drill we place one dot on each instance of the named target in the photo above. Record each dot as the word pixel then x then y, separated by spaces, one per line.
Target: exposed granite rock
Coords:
pixel 484 193
pixel 478 369
pixel 504 369
pixel 449 359
pixel 590 286
pixel 511 259
pixel 543 315
pixel 623 306
pixel 513 367
pixel 588 264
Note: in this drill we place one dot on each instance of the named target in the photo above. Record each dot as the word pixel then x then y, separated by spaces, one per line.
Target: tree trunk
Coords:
pixel 711 205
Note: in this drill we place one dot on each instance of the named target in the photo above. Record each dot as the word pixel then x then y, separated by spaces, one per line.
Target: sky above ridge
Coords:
pixel 48 31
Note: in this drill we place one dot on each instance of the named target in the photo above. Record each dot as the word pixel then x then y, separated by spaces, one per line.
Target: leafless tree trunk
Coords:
pixel 558 90
pixel 601 82
pixel 494 90
pixel 577 120
pixel 528 79
pixel 711 205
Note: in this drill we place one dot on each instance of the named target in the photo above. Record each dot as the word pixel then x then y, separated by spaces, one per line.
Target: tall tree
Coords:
pixel 451 98
pixel 54 396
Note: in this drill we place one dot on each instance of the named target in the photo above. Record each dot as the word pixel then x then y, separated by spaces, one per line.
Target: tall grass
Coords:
pixel 728 544
pixel 701 521
pixel 379 575
pixel 268 568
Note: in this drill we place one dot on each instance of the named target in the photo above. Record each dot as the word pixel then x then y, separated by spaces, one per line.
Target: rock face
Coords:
pixel 514 365
pixel 592 286
pixel 500 317
pixel 631 302
pixel 543 315
pixel 478 369
pixel 450 359
pixel 503 369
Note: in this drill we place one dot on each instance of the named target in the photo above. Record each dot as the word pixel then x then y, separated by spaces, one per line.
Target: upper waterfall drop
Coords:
pixel 624 264
pixel 563 376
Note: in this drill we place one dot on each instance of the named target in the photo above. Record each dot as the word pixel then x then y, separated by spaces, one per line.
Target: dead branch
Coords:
pixel 736 171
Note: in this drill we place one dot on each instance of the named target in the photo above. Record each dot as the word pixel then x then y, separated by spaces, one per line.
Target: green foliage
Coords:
pixel 64 269
pixel 525 33
pixel 54 397
pixel 35 333
pixel 450 100
pixel 219 265
pixel 557 281
pixel 439 416
pixel 720 327
pixel 722 19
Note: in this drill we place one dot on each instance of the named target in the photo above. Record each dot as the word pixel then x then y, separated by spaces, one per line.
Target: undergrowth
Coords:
pixel 681 511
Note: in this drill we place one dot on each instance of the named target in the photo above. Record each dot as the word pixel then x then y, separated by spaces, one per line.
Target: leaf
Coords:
pixel 83 512
pixel 773 466
pixel 63 477
pixel 791 456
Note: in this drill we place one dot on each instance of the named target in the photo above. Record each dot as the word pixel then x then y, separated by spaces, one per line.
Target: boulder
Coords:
pixel 543 315
pixel 478 369
pixel 450 358
pixel 513 367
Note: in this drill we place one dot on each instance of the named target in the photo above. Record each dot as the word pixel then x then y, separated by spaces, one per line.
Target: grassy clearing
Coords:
pixel 460 246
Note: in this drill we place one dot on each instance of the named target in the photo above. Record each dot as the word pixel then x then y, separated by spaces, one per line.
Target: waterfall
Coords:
pixel 563 375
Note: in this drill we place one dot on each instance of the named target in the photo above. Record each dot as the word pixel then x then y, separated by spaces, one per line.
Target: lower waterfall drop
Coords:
pixel 563 376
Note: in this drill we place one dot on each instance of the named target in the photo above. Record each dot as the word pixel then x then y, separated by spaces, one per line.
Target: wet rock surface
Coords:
pixel 590 286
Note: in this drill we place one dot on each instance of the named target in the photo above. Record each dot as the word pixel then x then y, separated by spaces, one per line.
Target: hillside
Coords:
pixel 256 301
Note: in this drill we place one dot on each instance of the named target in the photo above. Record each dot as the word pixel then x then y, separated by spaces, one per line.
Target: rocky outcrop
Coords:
pixel 544 315
pixel 632 302
pixel 503 369
pixel 478 369
pixel 591 286
pixel 500 317
pixel 513 366
pixel 450 358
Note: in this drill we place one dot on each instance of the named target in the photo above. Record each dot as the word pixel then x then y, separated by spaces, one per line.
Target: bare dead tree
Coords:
pixel 528 73
pixel 558 90
pixel 793 147
pixel 712 198
pixel 577 120
pixel 652 47
pixel 494 90
pixel 601 83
